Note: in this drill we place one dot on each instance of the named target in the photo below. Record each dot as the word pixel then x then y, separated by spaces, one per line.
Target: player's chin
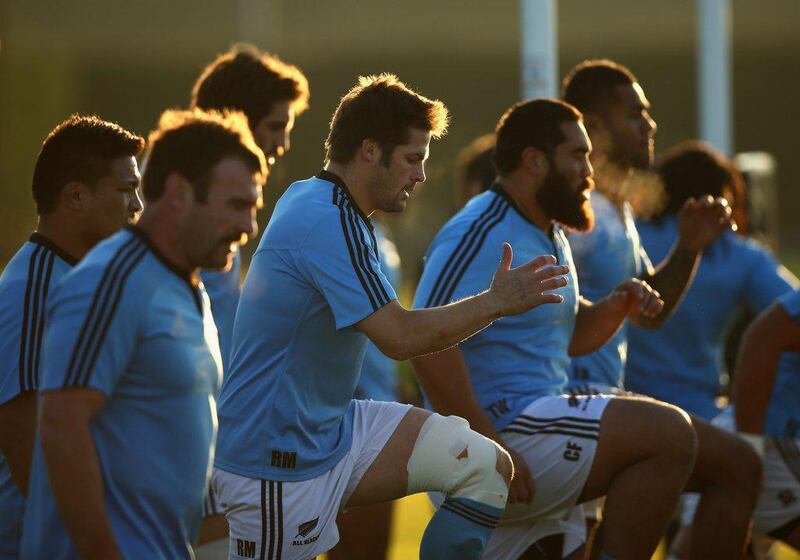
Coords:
pixel 219 261
pixel 399 205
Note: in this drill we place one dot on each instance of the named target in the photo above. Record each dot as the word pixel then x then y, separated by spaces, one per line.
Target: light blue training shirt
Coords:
pixel 286 406
pixel 129 324
pixel 518 358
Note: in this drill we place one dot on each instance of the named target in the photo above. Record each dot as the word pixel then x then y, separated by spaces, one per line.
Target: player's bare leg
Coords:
pixel 461 527
pixel 363 533
pixel 727 474
pixel 213 528
pixel 644 456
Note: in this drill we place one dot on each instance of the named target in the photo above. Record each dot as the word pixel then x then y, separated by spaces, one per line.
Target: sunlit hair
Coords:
pixel 693 169
pixel 191 143
pixel 591 85
pixel 249 80
pixel 534 123
pixel 79 149
pixel 474 167
pixel 383 109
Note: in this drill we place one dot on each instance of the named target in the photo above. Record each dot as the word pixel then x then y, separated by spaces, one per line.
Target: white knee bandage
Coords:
pixel 448 457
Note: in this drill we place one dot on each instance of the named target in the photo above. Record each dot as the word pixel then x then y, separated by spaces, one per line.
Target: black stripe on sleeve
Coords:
pixel 372 276
pixel 466 259
pixel 101 312
pixel 352 250
pixel 34 376
pixel 35 315
pixel 23 344
pixel 107 318
pixel 445 272
pixel 472 241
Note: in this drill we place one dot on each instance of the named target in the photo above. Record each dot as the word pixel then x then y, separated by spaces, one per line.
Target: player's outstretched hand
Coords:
pixel 516 290
pixel 636 298
pixel 701 221
pixel 522 488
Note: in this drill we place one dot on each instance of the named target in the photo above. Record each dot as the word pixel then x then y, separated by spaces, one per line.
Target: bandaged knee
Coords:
pixel 449 457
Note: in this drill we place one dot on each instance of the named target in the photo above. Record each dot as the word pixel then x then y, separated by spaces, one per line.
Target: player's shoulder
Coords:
pixel 38 260
pixel 481 219
pixel 117 265
pixel 790 302
pixel 15 273
pixel 315 210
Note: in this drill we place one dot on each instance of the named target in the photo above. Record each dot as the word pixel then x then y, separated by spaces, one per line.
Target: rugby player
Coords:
pixel 682 362
pixel 474 169
pixel 131 361
pixel 294 448
pixel 364 531
pixel 85 187
pixel 767 414
pixel 271 94
pixel 508 380
pixel 619 124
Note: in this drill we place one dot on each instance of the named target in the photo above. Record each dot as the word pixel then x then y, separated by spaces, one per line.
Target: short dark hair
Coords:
pixel 79 149
pixel 591 85
pixel 693 169
pixel 249 80
pixel 534 123
pixel 191 143
pixel 383 109
pixel 474 165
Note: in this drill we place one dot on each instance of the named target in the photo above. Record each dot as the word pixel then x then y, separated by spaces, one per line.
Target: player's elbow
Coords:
pixel 399 350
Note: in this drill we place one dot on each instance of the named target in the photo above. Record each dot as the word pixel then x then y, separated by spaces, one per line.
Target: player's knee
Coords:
pixel 676 435
pixel 449 457
pixel 743 467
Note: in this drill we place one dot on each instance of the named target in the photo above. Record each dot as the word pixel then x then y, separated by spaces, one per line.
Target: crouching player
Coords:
pixel 131 360
pixel 767 414
pixel 294 448
pixel 638 452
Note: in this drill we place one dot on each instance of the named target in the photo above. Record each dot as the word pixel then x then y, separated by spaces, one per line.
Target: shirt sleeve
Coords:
pixel 92 328
pixel 452 271
pixel 791 304
pixel 766 280
pixel 340 258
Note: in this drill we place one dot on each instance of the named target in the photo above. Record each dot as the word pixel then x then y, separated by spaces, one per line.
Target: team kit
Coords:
pixel 569 353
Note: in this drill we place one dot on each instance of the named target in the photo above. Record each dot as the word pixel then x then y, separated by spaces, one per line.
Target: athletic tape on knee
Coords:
pixel 448 457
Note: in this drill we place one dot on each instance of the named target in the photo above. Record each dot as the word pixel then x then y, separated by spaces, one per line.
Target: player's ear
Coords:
pixel 178 192
pixel 75 196
pixel 370 150
pixel 594 124
pixel 534 161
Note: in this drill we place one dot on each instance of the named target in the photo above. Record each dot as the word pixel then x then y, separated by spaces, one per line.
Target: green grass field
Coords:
pixel 412 515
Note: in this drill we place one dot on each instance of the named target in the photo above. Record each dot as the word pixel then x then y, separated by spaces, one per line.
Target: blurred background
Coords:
pixel 128 61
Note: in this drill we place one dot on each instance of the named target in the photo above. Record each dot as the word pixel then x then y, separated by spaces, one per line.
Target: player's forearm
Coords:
pixel 595 324
pixel 445 379
pixel 425 331
pixel 753 380
pixel 77 486
pixel 671 279
pixel 17 433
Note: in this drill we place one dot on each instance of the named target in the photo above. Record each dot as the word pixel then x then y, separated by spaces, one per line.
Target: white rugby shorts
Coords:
pixel 272 520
